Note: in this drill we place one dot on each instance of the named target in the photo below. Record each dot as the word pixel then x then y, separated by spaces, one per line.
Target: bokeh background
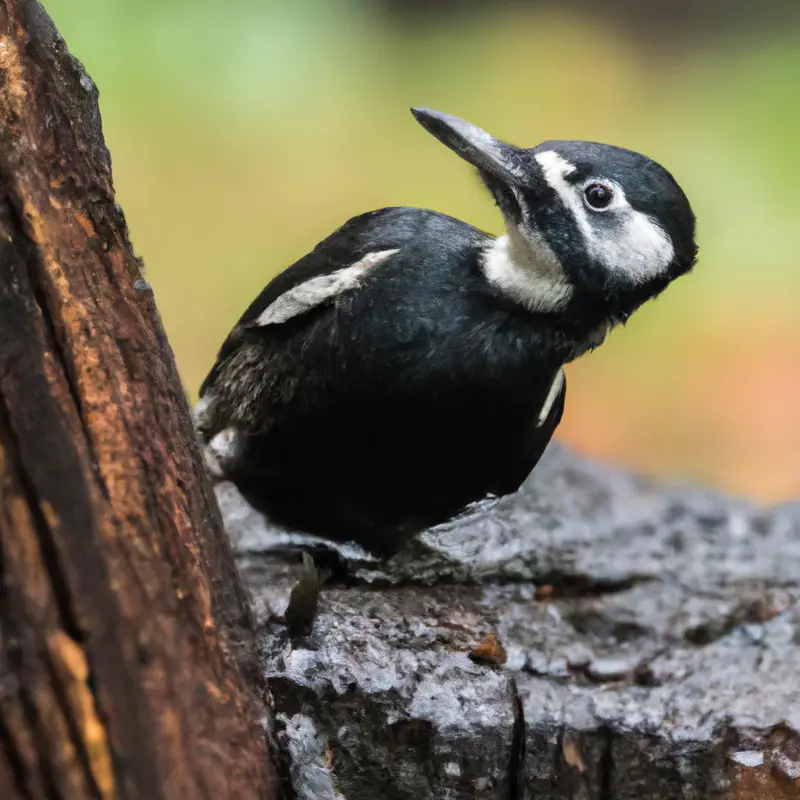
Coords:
pixel 242 132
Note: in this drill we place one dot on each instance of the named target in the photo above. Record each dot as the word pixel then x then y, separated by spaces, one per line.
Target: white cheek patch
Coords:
pixel 552 396
pixel 642 249
pixel 316 291
pixel 522 266
pixel 634 244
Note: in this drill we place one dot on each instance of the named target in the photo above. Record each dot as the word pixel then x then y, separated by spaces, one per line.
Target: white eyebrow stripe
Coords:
pixel 315 291
pixel 639 248
pixel 552 396
pixel 554 166
pixel 555 169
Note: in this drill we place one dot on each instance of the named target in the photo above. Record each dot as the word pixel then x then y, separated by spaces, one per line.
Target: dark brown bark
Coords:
pixel 127 662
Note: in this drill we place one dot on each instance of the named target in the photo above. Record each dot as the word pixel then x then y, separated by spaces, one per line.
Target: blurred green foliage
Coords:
pixel 244 132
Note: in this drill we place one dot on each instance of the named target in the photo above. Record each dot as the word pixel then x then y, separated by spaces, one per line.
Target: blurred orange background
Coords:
pixel 244 132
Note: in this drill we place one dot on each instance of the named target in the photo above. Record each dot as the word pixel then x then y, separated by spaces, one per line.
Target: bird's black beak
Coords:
pixel 491 156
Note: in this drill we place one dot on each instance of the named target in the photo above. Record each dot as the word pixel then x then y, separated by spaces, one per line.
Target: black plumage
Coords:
pixel 366 403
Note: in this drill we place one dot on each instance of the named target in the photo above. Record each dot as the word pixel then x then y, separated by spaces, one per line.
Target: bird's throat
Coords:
pixel 524 268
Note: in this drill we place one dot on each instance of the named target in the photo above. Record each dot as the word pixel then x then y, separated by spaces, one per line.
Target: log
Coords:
pixel 128 666
pixel 596 636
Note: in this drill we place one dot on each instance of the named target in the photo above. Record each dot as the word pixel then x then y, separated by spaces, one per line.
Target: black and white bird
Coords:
pixel 411 365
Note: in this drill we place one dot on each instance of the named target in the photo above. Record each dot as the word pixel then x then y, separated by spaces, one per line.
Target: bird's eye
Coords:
pixel 598 196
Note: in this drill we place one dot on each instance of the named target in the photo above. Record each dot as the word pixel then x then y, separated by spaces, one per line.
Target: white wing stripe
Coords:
pixel 315 291
pixel 551 398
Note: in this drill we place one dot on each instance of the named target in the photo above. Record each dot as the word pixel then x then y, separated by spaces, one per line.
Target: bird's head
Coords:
pixel 593 230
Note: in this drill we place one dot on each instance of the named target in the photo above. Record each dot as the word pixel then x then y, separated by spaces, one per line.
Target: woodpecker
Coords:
pixel 411 365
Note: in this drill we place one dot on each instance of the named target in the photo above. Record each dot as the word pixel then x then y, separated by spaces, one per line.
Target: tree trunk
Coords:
pixel 127 659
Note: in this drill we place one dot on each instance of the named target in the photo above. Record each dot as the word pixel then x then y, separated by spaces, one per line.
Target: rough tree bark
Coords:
pixel 127 658
pixel 651 637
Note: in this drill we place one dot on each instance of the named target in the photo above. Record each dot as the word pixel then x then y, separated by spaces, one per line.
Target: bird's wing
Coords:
pixel 346 246
pixel 268 356
pixel 264 355
pixel 336 264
